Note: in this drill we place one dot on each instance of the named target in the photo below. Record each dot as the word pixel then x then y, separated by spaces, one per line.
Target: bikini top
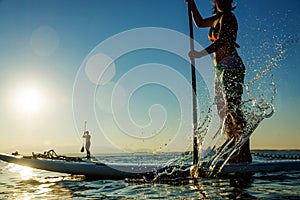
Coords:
pixel 213 33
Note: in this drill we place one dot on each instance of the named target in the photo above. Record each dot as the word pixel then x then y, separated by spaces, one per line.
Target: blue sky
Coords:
pixel 45 46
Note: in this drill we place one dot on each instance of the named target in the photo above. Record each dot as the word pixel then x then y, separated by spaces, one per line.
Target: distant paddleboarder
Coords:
pixel 87 138
pixel 229 68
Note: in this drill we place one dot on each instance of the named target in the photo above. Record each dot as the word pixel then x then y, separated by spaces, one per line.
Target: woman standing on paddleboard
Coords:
pixel 229 68
pixel 87 137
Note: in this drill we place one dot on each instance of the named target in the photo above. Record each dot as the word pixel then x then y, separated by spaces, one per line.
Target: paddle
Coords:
pixel 193 69
pixel 82 148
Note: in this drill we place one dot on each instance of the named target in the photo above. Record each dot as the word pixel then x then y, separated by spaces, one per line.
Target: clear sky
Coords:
pixel 53 53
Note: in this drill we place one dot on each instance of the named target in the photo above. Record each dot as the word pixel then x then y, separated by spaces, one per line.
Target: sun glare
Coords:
pixel 29 101
pixel 25 172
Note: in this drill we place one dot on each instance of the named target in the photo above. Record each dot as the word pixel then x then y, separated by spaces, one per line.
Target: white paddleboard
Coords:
pixel 122 171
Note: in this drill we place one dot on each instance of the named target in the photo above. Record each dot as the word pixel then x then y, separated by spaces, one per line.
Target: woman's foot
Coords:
pixel 243 155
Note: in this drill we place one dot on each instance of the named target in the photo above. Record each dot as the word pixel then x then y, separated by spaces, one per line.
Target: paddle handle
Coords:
pixel 85 122
pixel 194 86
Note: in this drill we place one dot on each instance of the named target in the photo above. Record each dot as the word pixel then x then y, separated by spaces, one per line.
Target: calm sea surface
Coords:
pixel 18 182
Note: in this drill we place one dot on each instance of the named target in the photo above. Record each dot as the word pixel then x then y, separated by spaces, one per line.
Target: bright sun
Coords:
pixel 29 100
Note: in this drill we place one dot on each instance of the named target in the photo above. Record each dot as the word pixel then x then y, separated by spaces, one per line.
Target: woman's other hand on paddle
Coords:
pixel 197 54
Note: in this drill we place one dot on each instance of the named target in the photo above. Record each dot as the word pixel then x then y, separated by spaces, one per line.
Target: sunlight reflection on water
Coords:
pixel 20 182
pixel 25 172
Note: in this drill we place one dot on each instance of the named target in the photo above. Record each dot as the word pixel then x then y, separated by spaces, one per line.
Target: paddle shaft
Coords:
pixel 82 148
pixel 194 86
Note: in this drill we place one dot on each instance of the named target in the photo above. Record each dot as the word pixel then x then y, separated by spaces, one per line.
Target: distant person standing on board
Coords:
pixel 229 68
pixel 87 137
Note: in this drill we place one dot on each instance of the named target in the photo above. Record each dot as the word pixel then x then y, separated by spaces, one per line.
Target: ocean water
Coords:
pixel 18 182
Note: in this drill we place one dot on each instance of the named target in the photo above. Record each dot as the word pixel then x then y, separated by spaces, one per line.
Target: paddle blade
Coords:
pixel 82 149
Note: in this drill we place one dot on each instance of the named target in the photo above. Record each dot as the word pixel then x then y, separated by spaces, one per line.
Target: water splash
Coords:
pixel 258 100
pixel 258 104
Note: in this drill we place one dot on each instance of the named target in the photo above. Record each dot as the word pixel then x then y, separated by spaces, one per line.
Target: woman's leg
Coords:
pixel 233 80
pixel 235 125
pixel 87 147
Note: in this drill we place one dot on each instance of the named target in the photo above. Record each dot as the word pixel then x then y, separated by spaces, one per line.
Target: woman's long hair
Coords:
pixel 224 5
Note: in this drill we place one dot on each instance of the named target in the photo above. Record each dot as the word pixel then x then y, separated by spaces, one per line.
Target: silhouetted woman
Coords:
pixel 87 137
pixel 229 68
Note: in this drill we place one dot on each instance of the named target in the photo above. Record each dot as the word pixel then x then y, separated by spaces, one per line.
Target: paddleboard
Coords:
pixel 121 171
